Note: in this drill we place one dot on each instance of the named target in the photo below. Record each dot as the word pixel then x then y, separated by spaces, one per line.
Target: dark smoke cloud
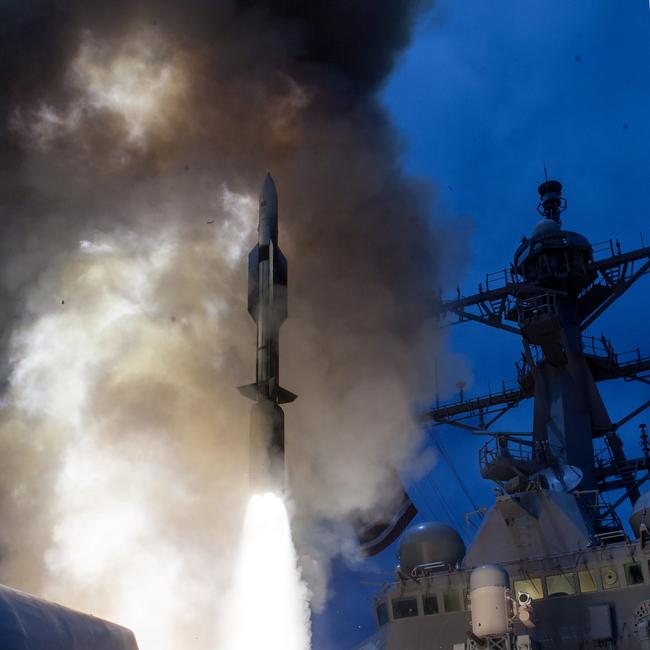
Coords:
pixel 123 122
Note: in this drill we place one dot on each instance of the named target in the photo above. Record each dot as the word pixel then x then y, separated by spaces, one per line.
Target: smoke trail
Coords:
pixel 135 136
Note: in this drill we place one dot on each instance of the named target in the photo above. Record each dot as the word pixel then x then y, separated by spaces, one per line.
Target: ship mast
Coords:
pixel 556 287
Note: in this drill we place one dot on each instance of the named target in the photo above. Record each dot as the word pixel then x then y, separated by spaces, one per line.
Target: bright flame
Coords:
pixel 269 606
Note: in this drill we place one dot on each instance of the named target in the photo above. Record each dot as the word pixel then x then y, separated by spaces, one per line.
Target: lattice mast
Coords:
pixel 556 287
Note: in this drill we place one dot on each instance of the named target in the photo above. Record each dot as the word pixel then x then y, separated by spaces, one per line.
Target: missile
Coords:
pixel 267 304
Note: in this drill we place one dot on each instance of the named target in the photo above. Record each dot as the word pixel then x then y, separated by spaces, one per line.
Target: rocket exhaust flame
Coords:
pixel 269 602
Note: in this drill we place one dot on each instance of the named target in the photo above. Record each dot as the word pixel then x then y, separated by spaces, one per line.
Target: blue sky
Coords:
pixel 488 93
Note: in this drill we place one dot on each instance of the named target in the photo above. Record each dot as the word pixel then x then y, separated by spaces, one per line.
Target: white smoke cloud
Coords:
pixel 129 405
pixel 139 82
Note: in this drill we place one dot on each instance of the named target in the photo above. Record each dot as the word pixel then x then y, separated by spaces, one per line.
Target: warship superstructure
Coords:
pixel 551 565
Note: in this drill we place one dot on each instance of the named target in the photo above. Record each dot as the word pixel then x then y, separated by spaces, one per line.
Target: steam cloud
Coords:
pixel 135 137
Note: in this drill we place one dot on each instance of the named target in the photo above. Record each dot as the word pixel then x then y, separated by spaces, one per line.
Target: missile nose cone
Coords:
pixel 268 225
pixel 268 195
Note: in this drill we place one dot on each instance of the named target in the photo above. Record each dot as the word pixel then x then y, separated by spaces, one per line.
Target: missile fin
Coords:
pixel 285 396
pixel 251 391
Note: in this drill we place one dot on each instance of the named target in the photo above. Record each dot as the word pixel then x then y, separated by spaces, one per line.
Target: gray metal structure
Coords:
pixel 551 529
pixel 30 623
pixel 267 304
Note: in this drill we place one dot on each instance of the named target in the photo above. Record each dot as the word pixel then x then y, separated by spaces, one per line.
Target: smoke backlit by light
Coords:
pixel 269 607
pixel 139 80
pixel 123 443
pixel 115 368
pixel 134 82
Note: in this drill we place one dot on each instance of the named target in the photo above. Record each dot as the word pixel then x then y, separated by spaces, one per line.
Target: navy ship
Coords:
pixel 551 565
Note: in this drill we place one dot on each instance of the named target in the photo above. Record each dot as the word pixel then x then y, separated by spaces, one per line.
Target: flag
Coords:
pixel 378 534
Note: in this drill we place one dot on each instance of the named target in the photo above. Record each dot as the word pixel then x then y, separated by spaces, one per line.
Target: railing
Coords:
pixel 603 348
pixel 605 248
pixel 500 447
pixel 539 306
pixel 506 394
pixel 608 522
pixel 630 358
pixel 498 279
pixel 611 247
pixel 598 346
pixel 603 455
pixel 424 570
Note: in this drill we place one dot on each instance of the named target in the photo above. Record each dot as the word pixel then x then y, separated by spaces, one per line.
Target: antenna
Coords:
pixel 551 203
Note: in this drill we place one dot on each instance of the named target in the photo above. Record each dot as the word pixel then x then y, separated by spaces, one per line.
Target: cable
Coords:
pixel 452 467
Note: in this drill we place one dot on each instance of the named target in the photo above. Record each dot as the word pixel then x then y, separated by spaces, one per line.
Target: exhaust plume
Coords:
pixel 134 138
pixel 266 549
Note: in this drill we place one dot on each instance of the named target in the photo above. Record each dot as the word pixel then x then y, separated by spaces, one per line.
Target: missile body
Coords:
pixel 267 304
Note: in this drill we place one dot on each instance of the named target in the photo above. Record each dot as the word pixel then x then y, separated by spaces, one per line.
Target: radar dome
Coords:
pixel 430 543
pixel 641 513
pixel 489 575
pixel 545 226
